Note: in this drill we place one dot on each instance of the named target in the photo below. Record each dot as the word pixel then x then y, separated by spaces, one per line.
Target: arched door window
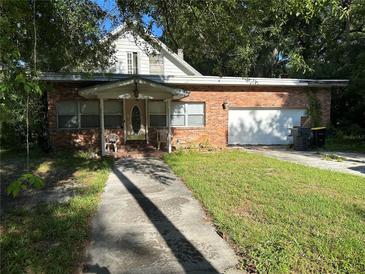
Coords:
pixel 136 119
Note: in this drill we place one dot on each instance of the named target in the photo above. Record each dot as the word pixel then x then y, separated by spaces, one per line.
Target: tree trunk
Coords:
pixel 27 122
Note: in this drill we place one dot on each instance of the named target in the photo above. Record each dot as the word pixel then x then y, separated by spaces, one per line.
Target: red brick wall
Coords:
pixel 216 120
pixel 215 131
pixel 79 138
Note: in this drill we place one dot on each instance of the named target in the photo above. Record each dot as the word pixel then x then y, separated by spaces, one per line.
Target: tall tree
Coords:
pixel 61 35
pixel 272 38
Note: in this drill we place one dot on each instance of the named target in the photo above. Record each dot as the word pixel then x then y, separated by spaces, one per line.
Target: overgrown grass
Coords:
pixel 283 217
pixel 341 144
pixel 50 237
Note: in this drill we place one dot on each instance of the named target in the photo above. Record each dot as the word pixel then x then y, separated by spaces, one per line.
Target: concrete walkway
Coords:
pixel 352 163
pixel 148 222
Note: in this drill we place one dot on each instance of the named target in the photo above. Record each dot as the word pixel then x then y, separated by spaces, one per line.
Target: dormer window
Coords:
pixel 156 64
pixel 132 62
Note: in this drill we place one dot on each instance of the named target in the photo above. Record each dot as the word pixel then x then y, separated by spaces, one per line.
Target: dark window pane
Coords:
pixel 113 121
pixel 89 107
pixel 90 121
pixel 113 107
pixel 67 121
pixel 136 119
pixel 158 120
pixel 67 108
pixel 135 62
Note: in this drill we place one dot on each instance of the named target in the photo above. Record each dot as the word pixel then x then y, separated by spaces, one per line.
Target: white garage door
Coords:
pixel 262 126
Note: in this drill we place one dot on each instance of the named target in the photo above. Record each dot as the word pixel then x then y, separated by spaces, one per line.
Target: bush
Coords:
pixel 24 182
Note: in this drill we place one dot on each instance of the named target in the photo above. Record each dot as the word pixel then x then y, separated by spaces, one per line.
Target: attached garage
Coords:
pixel 262 126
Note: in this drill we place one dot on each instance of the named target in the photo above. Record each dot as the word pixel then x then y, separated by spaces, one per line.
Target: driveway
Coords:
pixel 352 163
pixel 148 222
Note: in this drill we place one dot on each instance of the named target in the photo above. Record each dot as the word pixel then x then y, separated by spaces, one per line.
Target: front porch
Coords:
pixel 146 117
pixel 138 151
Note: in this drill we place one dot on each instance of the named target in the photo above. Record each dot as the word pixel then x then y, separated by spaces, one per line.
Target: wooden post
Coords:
pixel 102 136
pixel 169 125
pixel 124 123
pixel 147 122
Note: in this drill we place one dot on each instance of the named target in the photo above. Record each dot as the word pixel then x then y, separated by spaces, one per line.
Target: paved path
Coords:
pixel 148 222
pixel 352 163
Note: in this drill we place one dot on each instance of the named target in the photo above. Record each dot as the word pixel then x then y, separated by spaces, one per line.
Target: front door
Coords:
pixel 135 119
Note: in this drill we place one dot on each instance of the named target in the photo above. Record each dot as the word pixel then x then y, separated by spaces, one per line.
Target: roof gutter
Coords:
pixel 194 80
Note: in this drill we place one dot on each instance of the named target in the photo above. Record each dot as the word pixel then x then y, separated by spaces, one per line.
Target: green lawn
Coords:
pixel 283 217
pixel 50 237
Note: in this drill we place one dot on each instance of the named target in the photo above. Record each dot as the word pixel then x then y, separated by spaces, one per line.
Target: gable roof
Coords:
pixel 125 88
pixel 122 28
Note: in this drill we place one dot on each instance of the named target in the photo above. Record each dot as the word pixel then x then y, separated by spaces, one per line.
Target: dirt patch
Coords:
pixel 60 182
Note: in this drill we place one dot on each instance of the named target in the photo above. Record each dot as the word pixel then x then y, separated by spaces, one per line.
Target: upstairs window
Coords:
pixel 157 113
pixel 113 117
pixel 132 62
pixel 187 114
pixel 156 64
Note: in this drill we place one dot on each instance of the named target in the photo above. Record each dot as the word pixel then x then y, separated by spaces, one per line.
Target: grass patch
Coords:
pixel 50 237
pixel 332 157
pixel 282 216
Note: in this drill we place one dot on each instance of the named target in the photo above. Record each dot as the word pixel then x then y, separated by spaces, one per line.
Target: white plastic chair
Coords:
pixel 162 137
pixel 111 141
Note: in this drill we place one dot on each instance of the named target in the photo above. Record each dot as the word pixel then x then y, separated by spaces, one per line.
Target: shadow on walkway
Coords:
pixel 187 255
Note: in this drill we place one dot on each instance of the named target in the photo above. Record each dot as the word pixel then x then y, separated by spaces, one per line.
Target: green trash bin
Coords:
pixel 318 136
pixel 301 138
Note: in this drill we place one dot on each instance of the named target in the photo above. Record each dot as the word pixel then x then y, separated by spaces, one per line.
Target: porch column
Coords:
pixel 169 125
pixel 147 122
pixel 102 136
pixel 124 123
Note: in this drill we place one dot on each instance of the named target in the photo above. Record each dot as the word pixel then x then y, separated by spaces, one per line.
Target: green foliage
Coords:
pixel 68 35
pixel 26 181
pixel 50 237
pixel 41 36
pixel 314 109
pixel 283 217
pixel 353 140
pixel 274 38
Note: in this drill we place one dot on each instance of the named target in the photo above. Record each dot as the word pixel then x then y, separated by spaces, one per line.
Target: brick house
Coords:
pixel 152 91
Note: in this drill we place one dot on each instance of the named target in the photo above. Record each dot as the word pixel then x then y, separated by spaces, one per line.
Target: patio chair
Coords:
pixel 162 137
pixel 111 141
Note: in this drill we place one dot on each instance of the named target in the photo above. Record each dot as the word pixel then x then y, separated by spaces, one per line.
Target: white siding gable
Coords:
pixel 127 42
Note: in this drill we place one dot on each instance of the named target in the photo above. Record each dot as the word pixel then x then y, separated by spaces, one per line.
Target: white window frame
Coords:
pixel 157 113
pixel 186 114
pixel 132 63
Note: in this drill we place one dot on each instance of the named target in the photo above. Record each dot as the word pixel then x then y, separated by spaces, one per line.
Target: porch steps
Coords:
pixel 138 150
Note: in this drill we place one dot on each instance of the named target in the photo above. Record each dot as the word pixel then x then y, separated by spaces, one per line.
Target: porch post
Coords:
pixel 169 125
pixel 102 136
pixel 124 123
pixel 147 122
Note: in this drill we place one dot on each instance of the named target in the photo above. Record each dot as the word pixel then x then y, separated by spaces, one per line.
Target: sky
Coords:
pixel 111 7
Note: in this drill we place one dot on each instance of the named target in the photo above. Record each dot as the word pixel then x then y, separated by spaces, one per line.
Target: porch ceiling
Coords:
pixel 133 88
